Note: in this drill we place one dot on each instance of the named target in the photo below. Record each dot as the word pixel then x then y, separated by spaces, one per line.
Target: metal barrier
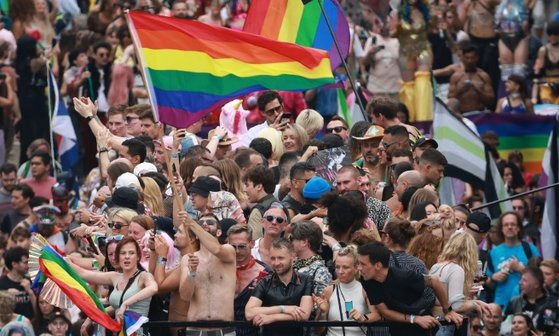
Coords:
pixel 461 331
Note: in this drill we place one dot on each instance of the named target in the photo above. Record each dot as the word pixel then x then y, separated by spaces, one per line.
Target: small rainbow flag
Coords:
pixel 304 24
pixel 53 266
pixel 527 133
pixel 192 68
pixel 132 322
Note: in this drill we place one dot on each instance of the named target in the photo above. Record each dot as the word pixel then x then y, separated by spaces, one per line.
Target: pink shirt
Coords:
pixel 41 188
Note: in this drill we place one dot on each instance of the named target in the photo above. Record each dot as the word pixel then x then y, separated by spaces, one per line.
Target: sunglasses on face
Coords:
pixel 203 222
pixel 337 129
pixel 117 226
pixel 273 110
pixel 240 247
pixel 279 220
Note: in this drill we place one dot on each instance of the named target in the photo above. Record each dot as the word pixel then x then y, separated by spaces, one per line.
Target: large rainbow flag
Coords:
pixel 191 68
pixel 304 24
pixel 527 133
pixel 53 266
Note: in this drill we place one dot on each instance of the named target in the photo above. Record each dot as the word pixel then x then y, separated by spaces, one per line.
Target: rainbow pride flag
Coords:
pixel 527 133
pixel 54 267
pixel 192 68
pixel 304 24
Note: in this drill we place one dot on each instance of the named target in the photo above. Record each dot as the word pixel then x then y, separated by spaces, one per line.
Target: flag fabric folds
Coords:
pixel 54 267
pixel 304 24
pixel 68 151
pixel 468 159
pixel 550 225
pixel 132 321
pixel 192 68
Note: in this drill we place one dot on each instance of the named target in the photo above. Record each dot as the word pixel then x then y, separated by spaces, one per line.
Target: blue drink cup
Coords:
pixel 348 307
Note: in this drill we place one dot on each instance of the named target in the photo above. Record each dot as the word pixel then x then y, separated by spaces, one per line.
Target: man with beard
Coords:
pixel 8 176
pixel 370 159
pixel 283 295
pixel 170 281
pixel 249 272
pixel 211 294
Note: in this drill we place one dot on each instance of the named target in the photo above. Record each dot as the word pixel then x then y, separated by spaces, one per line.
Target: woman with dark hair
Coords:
pixel 516 100
pixel 133 288
pixel 522 325
pixel 32 80
pixel 512 176
pixel 344 216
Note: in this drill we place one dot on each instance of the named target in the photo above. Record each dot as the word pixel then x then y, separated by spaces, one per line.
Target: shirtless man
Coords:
pixel 170 281
pixel 249 272
pixel 471 87
pixel 208 277
pixel 477 18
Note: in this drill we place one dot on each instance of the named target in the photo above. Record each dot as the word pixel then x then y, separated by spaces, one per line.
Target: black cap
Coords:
pixel 203 185
pixel 58 314
pixel 478 222
pixel 425 141
pixel 125 197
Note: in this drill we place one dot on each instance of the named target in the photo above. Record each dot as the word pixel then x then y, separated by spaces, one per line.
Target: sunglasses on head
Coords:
pixel 279 220
pixel 116 238
pixel 337 129
pixel 207 222
pixel 117 226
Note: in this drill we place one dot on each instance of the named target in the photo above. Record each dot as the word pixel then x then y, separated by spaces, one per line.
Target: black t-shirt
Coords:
pixel 442 54
pixel 401 290
pixel 273 292
pixel 291 203
pixel 10 220
pixel 23 301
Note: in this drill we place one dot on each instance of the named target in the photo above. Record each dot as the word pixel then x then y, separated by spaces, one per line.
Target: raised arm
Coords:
pixel 225 252
pixel 100 278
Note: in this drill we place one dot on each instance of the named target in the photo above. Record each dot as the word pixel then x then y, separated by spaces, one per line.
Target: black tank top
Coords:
pixel 548 65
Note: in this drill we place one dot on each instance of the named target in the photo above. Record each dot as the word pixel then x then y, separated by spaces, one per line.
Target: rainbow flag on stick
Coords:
pixel 54 267
pixel 192 68
pixel 304 24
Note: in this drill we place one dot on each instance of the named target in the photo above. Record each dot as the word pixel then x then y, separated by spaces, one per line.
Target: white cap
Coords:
pixel 128 180
pixel 144 167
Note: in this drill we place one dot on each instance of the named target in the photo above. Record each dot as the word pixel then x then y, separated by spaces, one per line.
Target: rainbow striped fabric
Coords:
pixel 527 133
pixel 304 24
pixel 53 266
pixel 192 68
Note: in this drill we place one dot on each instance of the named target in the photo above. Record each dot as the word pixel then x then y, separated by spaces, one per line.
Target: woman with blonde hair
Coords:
pixel 153 197
pixel 332 304
pixel 231 176
pixel 294 137
pixel 311 121
pixel 457 267
pixel 274 136
pixel 119 220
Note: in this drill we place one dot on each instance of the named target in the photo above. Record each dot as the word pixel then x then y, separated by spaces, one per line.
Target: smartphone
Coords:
pixel 286 117
pixel 374 40
pixel 348 307
pixel 2 76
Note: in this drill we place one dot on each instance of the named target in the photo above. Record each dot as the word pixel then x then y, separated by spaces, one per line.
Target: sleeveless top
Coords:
pixel 140 307
pixel 483 16
pixel 352 291
pixel 507 108
pixel 510 16
pixel 548 64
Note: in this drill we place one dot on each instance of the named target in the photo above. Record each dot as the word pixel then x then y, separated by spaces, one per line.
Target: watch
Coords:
pixel 447 310
pixel 89 118
pixel 161 261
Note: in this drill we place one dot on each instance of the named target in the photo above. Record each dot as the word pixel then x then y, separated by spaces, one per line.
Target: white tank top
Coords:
pixel 352 291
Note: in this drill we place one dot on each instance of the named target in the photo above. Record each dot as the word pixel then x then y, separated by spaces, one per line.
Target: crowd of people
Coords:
pixel 197 225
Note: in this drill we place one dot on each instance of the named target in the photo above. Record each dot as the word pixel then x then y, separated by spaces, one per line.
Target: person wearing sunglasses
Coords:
pixel 208 276
pixel 338 126
pixel 274 222
pixel 249 272
pixel 270 106
pixel 119 220
pixel 259 187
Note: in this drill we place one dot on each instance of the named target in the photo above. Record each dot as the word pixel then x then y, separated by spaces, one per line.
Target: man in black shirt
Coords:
pixel 17 262
pixel 397 293
pixel 281 296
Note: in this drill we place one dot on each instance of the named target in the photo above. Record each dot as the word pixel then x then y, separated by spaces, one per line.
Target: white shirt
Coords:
pixel 253 133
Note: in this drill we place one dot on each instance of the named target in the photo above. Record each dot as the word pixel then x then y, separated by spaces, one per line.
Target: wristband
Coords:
pixel 192 274
pixel 282 309
pixel 412 318
pixel 336 247
pixel 161 261
pixel 174 155
pixel 103 150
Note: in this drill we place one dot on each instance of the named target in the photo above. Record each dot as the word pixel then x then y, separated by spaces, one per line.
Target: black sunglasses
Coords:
pixel 279 220
pixel 337 129
pixel 207 222
pixel 117 226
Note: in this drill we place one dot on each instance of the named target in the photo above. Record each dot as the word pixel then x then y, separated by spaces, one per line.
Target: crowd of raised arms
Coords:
pixel 210 224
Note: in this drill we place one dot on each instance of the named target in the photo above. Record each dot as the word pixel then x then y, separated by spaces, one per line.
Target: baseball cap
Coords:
pixel 144 167
pixel 125 197
pixel 478 222
pixel 128 180
pixel 315 188
pixel 373 132
pixel 203 185
pixel 425 141
pixel 58 314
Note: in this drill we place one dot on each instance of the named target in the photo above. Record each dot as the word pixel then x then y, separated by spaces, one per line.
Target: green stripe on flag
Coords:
pixel 342 107
pixel 447 133
pixel 521 142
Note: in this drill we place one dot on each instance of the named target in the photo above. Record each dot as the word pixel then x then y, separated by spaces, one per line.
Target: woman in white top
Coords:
pixel 345 300
pixel 382 56
pixel 456 268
